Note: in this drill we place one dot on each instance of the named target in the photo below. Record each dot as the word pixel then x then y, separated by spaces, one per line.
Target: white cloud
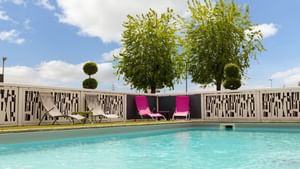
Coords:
pixel 59 73
pixel 290 77
pixel 45 4
pixel 106 71
pixel 16 2
pixel 108 56
pixel 26 24
pixel 267 30
pixel 4 16
pixel 103 19
pixel 46 73
pixel 21 74
pixel 11 36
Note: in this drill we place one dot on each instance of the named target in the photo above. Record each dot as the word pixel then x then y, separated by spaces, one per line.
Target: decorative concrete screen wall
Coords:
pixel 273 105
pixel 67 101
pixel 9 105
pixel 231 106
pixel 112 103
pixel 283 105
pixel 21 105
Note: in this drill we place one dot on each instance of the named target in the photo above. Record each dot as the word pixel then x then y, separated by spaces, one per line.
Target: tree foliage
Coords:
pixel 149 58
pixel 90 68
pixel 90 83
pixel 232 70
pixel 217 34
pixel 232 76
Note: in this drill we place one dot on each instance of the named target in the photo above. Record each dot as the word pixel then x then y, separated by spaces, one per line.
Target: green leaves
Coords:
pixel 90 68
pixel 218 34
pixel 90 83
pixel 149 58
pixel 232 79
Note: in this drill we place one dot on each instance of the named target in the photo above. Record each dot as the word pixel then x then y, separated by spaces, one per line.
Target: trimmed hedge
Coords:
pixel 232 77
pixel 90 83
pixel 90 68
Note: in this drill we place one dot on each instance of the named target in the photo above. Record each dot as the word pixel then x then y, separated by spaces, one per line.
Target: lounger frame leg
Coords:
pixel 54 120
pixel 100 119
pixel 42 119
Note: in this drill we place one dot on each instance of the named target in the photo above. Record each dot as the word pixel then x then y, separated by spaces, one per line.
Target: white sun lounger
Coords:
pixel 51 109
pixel 97 111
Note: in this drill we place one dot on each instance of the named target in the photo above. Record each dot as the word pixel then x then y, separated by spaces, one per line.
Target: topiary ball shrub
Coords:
pixel 90 68
pixel 232 83
pixel 232 70
pixel 232 76
pixel 90 83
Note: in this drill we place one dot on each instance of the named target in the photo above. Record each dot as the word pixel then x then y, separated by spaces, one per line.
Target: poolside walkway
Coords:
pixel 48 127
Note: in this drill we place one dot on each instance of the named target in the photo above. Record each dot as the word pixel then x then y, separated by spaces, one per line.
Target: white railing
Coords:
pixel 21 105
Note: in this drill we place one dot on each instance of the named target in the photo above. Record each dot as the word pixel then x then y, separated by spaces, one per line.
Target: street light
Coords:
pixel 2 75
pixel 186 74
pixel 186 82
pixel 271 81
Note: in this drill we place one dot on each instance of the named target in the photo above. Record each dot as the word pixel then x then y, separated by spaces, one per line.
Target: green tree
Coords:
pixel 149 58
pixel 217 34
pixel 90 68
pixel 232 76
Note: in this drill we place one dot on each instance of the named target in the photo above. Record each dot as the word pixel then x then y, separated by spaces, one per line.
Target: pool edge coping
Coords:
pixel 89 126
pixel 130 124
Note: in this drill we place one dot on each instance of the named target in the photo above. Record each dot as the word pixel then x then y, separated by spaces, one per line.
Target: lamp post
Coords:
pixel 186 76
pixel 271 82
pixel 186 85
pixel 3 61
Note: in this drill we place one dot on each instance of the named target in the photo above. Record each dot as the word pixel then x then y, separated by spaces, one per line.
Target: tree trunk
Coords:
pixel 153 89
pixel 219 85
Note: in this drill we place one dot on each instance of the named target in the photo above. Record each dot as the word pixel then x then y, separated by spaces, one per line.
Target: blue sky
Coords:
pixel 47 41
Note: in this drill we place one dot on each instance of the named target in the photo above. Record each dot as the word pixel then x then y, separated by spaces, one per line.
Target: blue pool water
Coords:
pixel 189 148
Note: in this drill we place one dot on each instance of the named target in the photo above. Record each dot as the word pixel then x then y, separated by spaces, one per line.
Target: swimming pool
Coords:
pixel 182 148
